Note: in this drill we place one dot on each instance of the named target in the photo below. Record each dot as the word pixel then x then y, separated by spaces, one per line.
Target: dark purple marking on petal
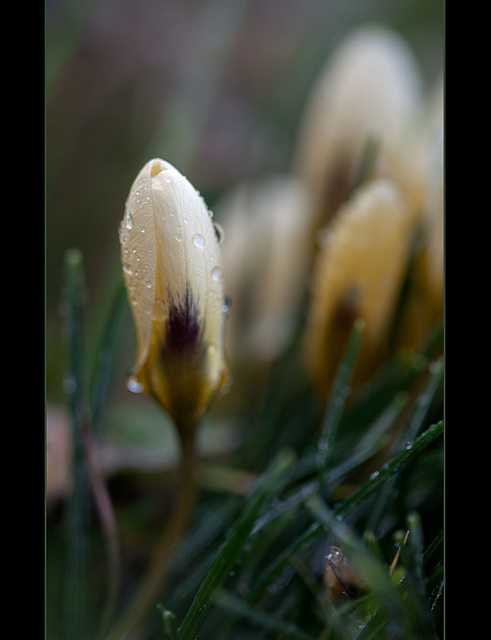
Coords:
pixel 183 326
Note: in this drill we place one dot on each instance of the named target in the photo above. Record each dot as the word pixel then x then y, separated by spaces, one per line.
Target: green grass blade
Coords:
pixel 106 353
pixel 336 402
pixel 425 401
pixel 412 558
pixel 416 423
pixel 78 509
pixel 393 467
pixel 304 541
pixel 266 489
pixel 169 624
pixel 266 622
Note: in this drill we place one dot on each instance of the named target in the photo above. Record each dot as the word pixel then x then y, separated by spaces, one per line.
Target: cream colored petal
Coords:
pixel 139 256
pixel 267 257
pixel 171 256
pixel 188 249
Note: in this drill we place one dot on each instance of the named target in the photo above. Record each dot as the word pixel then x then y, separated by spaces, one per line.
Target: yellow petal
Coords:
pixel 173 271
pixel 358 274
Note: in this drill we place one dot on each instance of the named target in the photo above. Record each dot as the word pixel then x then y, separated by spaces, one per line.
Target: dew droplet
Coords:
pixel 127 268
pixel 216 274
pixel 160 306
pixel 227 303
pixel 69 384
pixel 142 229
pixel 128 221
pixel 133 385
pixel 148 283
pixel 178 237
pixel 198 240
pixel 335 556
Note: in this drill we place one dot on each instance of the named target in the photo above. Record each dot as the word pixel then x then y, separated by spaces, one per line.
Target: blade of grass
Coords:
pixel 359 496
pixel 106 352
pixel 425 401
pixel 88 477
pixel 336 402
pixel 78 510
pixel 169 624
pixel 265 621
pixel 368 158
pixel 412 558
pixel 395 377
pixel 223 564
pixel 371 443
pixel 398 462
pixel 416 423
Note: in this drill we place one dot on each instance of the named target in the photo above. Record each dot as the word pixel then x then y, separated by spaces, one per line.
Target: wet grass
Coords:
pixel 366 477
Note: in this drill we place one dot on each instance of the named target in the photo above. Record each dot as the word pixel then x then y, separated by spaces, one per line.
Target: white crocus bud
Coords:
pixel 173 271
pixel 370 89
pixel 267 258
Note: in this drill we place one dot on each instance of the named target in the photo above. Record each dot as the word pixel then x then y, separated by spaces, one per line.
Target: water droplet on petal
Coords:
pixel 159 309
pixel 198 240
pixel 133 385
pixel 127 268
pixel 178 238
pixel 148 283
pixel 128 221
pixel 216 274
pixel 227 303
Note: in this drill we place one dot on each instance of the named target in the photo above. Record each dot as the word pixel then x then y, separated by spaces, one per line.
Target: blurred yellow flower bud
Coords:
pixel 358 274
pixel 173 272
pixel 370 89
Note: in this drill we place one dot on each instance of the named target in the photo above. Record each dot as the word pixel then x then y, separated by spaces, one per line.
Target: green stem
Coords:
pixel 150 589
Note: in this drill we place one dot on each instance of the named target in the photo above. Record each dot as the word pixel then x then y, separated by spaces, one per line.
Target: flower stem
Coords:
pixel 160 563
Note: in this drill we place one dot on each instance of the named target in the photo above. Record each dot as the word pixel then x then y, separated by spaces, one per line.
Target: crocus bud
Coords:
pixel 267 258
pixel 369 89
pixel 173 272
pixel 358 274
